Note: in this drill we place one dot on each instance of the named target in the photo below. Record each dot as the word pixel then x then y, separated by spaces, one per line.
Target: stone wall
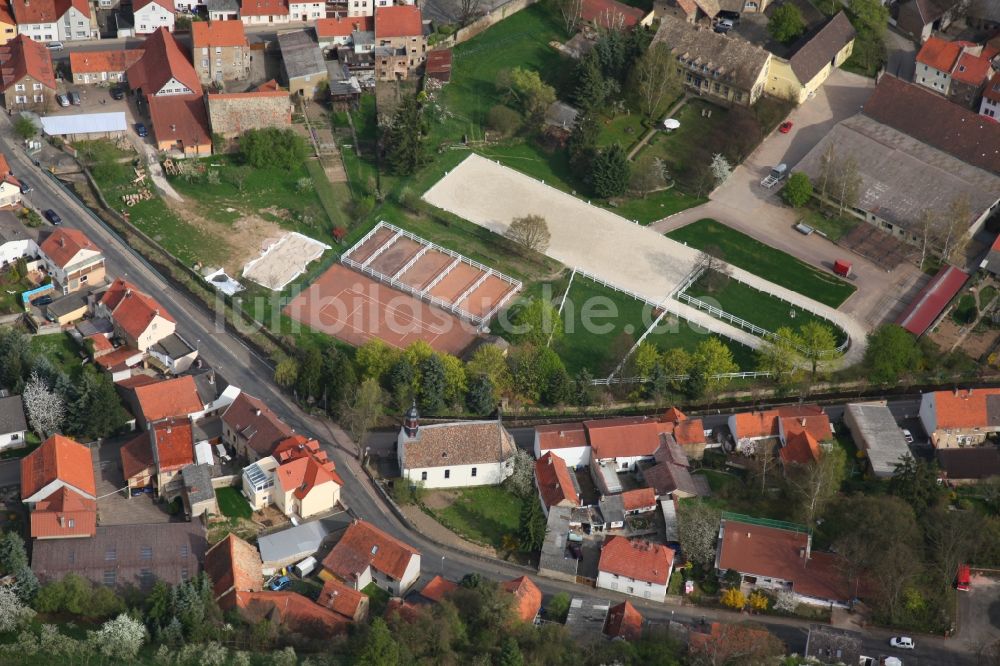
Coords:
pixel 481 24
pixel 231 115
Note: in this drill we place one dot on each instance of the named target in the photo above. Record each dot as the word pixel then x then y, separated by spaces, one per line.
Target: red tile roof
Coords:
pixel 173 444
pixel 251 419
pixel 341 599
pixel 58 458
pixel 623 621
pixel 162 61
pixel 180 119
pixel 131 309
pixel 264 7
pixel 21 57
pixel 233 566
pixel 636 559
pixel 218 33
pixel 365 545
pixel 63 244
pixel 816 424
pixel 343 26
pixel 527 597
pixel 801 448
pixel 932 119
pixel 438 65
pixel 6 13
pixel 610 14
pixel 170 397
pixel 729 641
pixel 756 424
pixel 46 11
pixel 166 4
pixel 640 498
pixel 932 299
pixel 627 437
pixel 293 611
pixel 100 343
pixel 963 409
pixel 137 456
pixel 940 54
pixel 674 415
pixel 269 86
pixel 119 359
pixel 561 436
pixel 779 553
pixel 64 513
pixel 91 62
pixel 303 475
pixel 438 588
pixel 972 69
pixel 691 431
pixel 554 482
pixel 398 21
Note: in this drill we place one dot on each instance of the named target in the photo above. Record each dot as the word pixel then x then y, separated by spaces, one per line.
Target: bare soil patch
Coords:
pixel 439 499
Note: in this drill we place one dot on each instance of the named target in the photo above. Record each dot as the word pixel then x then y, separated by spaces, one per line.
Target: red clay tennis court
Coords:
pixel 355 308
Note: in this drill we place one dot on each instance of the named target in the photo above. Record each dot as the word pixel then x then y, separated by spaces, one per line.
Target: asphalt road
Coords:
pixel 244 368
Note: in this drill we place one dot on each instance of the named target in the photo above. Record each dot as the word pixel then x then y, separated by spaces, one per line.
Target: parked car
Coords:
pixel 785 127
pixel 25 186
pixel 723 26
pixel 140 129
pixel 54 46
pixel 908 436
pixel 42 300
pixel 902 642
pixel 74 98
pixel 281 584
pixel 117 93
pixel 62 100
pixel 53 217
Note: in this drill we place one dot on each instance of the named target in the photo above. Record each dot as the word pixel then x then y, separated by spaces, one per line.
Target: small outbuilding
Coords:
pixel 876 432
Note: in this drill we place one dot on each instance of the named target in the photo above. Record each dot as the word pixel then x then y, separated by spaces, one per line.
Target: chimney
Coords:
pixel 128 292
pixel 211 377
pixel 257 412
pixel 803 421
pixel 62 241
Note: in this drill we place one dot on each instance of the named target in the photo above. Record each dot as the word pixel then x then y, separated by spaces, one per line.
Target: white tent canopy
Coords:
pixel 84 123
pixel 671 123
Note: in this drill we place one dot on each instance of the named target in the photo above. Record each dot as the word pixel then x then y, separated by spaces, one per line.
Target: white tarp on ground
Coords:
pixel 282 262
pixel 84 123
pixel 223 282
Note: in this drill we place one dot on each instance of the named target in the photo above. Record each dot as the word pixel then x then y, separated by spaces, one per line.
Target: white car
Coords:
pixel 908 436
pixel 902 642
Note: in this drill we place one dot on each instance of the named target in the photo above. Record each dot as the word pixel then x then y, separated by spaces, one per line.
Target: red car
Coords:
pixel 785 127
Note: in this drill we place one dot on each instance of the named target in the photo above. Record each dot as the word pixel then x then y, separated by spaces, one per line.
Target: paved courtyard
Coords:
pixel 979 613
pixel 114 508
pixel 631 257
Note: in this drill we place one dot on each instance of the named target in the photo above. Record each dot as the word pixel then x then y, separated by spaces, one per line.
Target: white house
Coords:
pixel 635 567
pixel 568 441
pixel 72 260
pixel 306 11
pixel 48 20
pixel 366 554
pixel 151 15
pixel 13 425
pixel 360 8
pixel 454 455
pixel 258 482
pixel 990 104
pixel 10 187
pixel 137 317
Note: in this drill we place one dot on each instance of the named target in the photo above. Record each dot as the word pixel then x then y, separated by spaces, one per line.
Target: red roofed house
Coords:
pixel 613 15
pixel 730 643
pixel 57 484
pixel 960 418
pixel 294 612
pixel 55 20
pixel 438 588
pixel 750 428
pixel 138 319
pixel 566 440
pixel 640 500
pixel 958 70
pixel 351 604
pixel 624 622
pixel 339 31
pixel 400 44
pixel 255 12
pixel 305 482
pixel 527 598
pixel 220 51
pixel 8 26
pixel 151 15
pixel 164 399
pixel 778 556
pixel 233 566
pixel 990 105
pixel 556 484
pixel 928 305
pixel 101 66
pixel 72 260
pixel 800 449
pixel 635 567
pixel 158 456
pixel 251 429
pixel 366 554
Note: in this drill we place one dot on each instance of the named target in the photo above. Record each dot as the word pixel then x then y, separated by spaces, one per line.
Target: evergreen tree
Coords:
pixel 400 378
pixel 592 88
pixel 510 653
pixel 584 392
pixel 310 369
pixel 432 385
pixel 582 143
pixel 94 410
pixel 696 383
pixel 378 647
pixel 532 530
pixel 337 379
pixel 480 399
pixel 405 138
pixel 609 172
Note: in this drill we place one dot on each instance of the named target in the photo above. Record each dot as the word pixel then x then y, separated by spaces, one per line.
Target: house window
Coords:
pixel 473 472
pixel 21 99
pixel 36 86
pixel 72 523
pixel 184 574
pixel 19 87
pixel 146 552
pixel 110 555
pixel 110 577
pixel 447 474
pixel 185 551
pixel 423 476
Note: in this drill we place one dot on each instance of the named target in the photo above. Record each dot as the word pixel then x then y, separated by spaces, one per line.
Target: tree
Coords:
pixel 818 342
pixel 378 647
pixel 238 176
pixel 94 411
pixel 532 524
pixel 120 638
pixel 798 190
pixel 733 598
pixel 404 138
pixel 558 607
pixel 13 611
pixel 953 538
pixel 645 359
pixel 522 477
pixel 786 23
pixel 915 482
pixel 526 88
pixel 648 175
pixel 530 232
pixel 815 484
pixel 870 15
pixel 25 128
pixel 582 143
pixel 956 222
pixel 698 527
pixel 468 10
pixel 593 89
pixel 721 169
pixel 779 355
pixel 758 601
pixel 571 12
pixel 655 79
pixel 432 385
pixel 46 408
pixel 537 323
pixel 744 644
pixel 848 183
pixel 891 352
pixel 714 357
pixel 401 378
pixel 272 148
pixel 374 359
pixel 363 411
pixel 553 382
pixel 609 172
pixel 510 653
pixel 481 398
pixel 504 119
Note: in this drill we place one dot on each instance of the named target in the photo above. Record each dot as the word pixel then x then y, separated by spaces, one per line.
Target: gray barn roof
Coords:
pixel 879 435
pixel 12 415
pixel 553 556
pixel 301 54
pixel 817 53
pixel 733 58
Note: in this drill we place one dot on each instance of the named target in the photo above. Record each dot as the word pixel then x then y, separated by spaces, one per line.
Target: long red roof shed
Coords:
pixel 932 299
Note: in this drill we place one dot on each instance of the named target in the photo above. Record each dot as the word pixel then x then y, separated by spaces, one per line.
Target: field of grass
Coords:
pixel 60 349
pixel 675 147
pixel 232 503
pixel 332 196
pixel 10 292
pixel 757 307
pixel 764 261
pixel 624 129
pixel 483 514
pixel 833 227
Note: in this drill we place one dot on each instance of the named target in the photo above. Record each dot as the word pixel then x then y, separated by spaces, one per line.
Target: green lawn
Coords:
pixel 11 290
pixel 483 514
pixel 675 147
pixel 718 481
pixel 61 350
pixel 757 307
pixel 232 503
pixel 378 599
pixel 773 265
pixel 625 129
pixel 332 196
pixel 833 227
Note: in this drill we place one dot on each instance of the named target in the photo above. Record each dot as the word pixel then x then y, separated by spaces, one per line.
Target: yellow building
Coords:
pixel 802 73
pixel 8 27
